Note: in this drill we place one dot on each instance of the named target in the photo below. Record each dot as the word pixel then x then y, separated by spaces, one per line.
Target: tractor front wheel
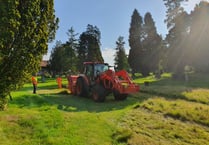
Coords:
pixel 81 88
pixel 119 96
pixel 98 93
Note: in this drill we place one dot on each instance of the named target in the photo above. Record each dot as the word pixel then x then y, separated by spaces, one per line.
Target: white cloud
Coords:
pixel 108 55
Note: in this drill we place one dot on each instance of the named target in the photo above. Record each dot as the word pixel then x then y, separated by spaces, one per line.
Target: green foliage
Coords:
pixel 56 61
pixel 176 38
pixel 197 43
pixel 121 61
pixel 70 50
pixel 3 104
pixel 89 46
pixel 63 56
pixel 152 46
pixel 177 23
pixel 173 9
pixel 187 38
pixel 134 41
pixel 26 28
pixel 146 45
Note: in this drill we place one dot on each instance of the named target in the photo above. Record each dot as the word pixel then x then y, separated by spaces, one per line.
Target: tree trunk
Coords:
pixel 3 103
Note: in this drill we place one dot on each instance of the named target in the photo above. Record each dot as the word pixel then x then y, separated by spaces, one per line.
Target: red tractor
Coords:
pixel 98 81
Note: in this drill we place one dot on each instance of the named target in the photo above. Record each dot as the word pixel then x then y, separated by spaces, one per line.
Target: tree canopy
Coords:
pixel 187 39
pixel 69 56
pixel 26 27
pixel 89 46
pixel 198 40
pixel 63 56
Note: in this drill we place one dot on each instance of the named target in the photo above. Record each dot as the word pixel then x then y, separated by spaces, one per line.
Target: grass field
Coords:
pixel 167 112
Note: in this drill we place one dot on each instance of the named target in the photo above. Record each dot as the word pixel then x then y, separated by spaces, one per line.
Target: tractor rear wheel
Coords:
pixel 119 96
pixel 81 88
pixel 98 93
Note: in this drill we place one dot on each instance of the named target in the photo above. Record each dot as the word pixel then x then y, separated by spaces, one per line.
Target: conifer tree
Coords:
pixel 56 60
pixel 178 25
pixel 198 42
pixel 121 61
pixel 89 46
pixel 135 32
pixel 152 46
pixel 70 50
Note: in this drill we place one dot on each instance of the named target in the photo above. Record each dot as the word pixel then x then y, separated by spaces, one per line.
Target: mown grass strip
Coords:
pixel 179 92
pixel 179 109
pixel 198 95
pixel 145 127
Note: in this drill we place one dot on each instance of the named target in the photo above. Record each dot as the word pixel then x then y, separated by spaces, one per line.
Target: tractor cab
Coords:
pixel 93 69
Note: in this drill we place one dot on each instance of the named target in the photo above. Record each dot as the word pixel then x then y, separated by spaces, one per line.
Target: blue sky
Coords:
pixel 112 17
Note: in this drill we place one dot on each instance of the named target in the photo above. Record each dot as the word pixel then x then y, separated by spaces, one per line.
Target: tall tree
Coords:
pixel 135 32
pixel 63 56
pixel 178 26
pixel 174 8
pixel 198 50
pixel 152 46
pixel 82 51
pixel 121 60
pixel 70 50
pixel 57 63
pixel 89 45
pixel 177 38
pixel 26 27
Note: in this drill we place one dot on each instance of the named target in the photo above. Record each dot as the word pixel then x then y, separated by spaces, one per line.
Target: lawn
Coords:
pixel 165 112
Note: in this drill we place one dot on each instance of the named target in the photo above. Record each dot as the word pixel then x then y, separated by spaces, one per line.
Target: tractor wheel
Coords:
pixel 98 93
pixel 81 88
pixel 119 96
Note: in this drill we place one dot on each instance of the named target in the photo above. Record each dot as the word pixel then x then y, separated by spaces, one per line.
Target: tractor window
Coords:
pixel 99 68
pixel 89 70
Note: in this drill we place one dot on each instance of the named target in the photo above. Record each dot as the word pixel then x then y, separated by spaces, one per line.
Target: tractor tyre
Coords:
pixel 119 96
pixel 81 88
pixel 98 93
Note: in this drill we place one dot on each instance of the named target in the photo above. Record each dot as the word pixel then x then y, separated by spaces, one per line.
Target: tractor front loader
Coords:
pixel 98 81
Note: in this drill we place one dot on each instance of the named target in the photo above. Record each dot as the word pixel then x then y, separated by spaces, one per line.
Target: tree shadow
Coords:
pixel 40 87
pixel 70 103
pixel 176 89
pixel 195 81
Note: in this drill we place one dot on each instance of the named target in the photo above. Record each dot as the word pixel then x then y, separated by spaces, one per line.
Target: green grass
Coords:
pixel 179 109
pixel 165 112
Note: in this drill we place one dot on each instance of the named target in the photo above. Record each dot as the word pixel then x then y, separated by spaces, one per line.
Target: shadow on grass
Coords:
pixel 176 89
pixel 40 87
pixel 165 87
pixel 195 81
pixel 69 103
